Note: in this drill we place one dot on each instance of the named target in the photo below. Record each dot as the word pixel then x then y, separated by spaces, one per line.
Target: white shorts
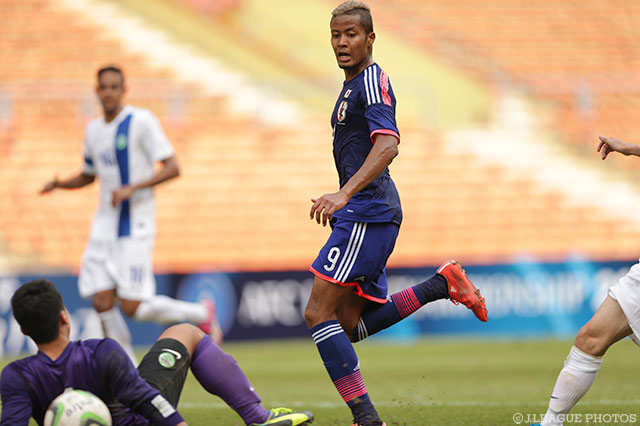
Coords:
pixel 125 264
pixel 627 293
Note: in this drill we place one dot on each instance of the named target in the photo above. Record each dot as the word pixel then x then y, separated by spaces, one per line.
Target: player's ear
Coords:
pixel 65 318
pixel 371 37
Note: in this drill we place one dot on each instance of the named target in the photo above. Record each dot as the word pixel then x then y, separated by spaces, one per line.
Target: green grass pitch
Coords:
pixel 430 382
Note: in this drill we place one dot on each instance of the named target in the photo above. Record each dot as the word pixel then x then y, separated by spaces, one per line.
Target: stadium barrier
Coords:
pixel 525 299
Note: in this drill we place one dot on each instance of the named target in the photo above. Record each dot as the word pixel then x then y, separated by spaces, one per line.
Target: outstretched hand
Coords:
pixel 324 207
pixel 50 186
pixel 609 145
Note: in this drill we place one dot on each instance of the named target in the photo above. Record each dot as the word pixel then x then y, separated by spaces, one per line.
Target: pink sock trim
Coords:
pixel 351 386
pixel 406 302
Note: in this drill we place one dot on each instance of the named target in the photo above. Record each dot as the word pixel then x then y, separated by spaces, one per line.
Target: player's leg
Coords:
pixel 607 326
pixel 113 323
pixel 163 309
pixel 375 317
pixel 336 350
pixel 351 312
pixel 217 372
pixel 349 262
pixel 95 282
pixel 450 282
pixel 137 291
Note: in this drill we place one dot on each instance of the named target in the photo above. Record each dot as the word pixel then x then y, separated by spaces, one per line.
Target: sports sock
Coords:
pixel 220 374
pixel 116 328
pixel 400 305
pixel 575 379
pixel 165 310
pixel 342 364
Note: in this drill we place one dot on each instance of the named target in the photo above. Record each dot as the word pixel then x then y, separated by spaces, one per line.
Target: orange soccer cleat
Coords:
pixel 461 290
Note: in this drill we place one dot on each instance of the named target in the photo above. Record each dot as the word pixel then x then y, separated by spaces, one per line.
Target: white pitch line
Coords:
pixel 603 402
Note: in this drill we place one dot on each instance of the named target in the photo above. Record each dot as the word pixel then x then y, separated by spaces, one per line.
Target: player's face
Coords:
pixel 351 45
pixel 110 90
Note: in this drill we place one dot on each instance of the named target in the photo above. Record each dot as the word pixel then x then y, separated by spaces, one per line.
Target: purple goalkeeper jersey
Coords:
pixel 366 107
pixel 100 366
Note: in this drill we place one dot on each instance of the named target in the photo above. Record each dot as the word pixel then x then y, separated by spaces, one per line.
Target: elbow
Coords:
pixel 173 167
pixel 87 179
pixel 392 151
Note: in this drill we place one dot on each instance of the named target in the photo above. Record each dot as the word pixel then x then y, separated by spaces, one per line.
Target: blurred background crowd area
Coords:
pixel 500 104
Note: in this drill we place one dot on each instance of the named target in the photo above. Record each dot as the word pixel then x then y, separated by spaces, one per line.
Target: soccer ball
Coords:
pixel 77 408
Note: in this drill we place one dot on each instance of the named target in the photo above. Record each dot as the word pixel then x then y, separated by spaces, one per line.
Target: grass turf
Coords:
pixel 430 382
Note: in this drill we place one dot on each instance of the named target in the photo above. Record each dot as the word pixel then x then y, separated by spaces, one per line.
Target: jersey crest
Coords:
pixel 342 111
pixel 121 141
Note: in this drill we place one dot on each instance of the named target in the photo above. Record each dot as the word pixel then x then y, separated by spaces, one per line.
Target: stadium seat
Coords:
pixel 242 200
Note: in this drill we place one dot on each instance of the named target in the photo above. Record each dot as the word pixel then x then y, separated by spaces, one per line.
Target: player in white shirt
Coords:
pixel 618 317
pixel 121 149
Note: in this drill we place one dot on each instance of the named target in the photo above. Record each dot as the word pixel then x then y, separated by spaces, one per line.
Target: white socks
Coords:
pixel 165 310
pixel 575 379
pixel 114 327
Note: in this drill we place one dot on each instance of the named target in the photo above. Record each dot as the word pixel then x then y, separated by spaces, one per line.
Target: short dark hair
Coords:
pixel 352 7
pixel 36 306
pixel 112 68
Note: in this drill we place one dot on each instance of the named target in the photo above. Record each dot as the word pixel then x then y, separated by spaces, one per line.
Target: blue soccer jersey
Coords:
pixel 99 366
pixel 366 107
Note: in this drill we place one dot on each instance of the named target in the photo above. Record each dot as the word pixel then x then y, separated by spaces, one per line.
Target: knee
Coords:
pixel 310 316
pixel 102 302
pixel 325 301
pixel 188 331
pixel 315 313
pixel 187 334
pixel 129 307
pixel 590 342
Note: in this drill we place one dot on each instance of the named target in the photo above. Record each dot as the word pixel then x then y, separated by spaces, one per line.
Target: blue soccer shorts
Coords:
pixel 356 255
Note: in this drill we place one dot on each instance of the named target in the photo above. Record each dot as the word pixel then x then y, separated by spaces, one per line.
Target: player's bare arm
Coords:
pixel 170 169
pixel 78 181
pixel 609 145
pixel 384 150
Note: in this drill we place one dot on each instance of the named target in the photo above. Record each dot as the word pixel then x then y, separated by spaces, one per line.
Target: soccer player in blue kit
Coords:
pixel 348 301
pixel 143 396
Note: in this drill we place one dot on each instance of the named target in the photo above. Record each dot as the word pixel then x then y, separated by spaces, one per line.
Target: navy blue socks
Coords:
pixel 400 305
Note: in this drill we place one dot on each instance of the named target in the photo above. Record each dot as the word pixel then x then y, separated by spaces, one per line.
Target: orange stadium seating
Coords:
pixel 582 56
pixel 243 198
